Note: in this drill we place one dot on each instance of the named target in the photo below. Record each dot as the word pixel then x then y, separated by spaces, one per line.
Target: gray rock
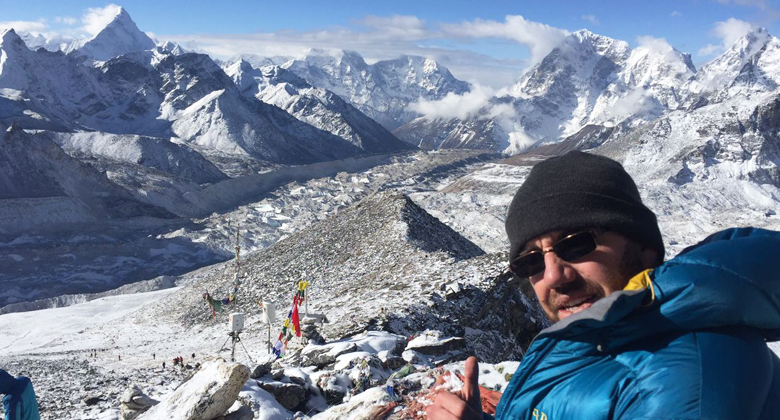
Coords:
pixel 261 370
pixel 207 395
pixel 288 395
pixel 243 413
pixel 277 374
pixel 320 357
pixel 298 380
pixel 440 347
pixel 133 402
pixel 394 362
pixel 90 401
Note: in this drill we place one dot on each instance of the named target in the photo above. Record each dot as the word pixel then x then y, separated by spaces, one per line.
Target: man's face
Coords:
pixel 565 288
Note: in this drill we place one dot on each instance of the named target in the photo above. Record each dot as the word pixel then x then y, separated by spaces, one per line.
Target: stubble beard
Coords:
pixel 629 265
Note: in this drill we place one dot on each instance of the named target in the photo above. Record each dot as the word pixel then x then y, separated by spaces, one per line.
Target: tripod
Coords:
pixel 235 337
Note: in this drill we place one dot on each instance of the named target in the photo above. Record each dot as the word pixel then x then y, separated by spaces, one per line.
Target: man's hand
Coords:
pixel 464 404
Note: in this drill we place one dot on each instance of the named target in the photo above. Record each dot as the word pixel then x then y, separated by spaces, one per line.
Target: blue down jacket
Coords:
pixel 687 343
pixel 19 401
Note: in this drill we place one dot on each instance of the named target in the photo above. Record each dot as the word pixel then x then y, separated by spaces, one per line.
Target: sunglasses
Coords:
pixel 568 248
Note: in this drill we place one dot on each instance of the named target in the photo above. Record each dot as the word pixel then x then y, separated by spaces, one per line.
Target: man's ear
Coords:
pixel 650 258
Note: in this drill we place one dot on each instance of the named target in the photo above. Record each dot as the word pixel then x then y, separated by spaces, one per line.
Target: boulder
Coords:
pixel 298 380
pixel 334 386
pixel 261 370
pixel 209 393
pixel 133 402
pixel 322 356
pixel 435 346
pixel 243 413
pixel 277 374
pixel 372 404
pixel 288 395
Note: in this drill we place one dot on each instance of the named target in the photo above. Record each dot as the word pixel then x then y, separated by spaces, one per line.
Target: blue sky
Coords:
pixel 490 42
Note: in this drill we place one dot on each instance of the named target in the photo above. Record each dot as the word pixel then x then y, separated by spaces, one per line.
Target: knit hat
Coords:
pixel 580 191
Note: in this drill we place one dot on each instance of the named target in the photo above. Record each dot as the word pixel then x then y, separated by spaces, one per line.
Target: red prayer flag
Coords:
pixel 295 321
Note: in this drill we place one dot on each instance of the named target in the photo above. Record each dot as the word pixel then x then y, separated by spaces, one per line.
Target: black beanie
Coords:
pixel 580 191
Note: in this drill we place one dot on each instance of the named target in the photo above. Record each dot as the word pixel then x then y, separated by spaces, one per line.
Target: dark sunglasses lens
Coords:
pixel 575 247
pixel 528 264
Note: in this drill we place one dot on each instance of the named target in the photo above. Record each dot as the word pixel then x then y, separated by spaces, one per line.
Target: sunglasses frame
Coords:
pixel 593 233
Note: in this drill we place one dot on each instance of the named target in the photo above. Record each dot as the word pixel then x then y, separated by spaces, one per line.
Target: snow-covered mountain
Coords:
pixel 588 79
pixel 315 106
pixel 381 90
pixel 44 189
pixel 119 37
pixel 751 66
pixel 158 93
pixel 442 133
pixel 132 150
pixel 135 88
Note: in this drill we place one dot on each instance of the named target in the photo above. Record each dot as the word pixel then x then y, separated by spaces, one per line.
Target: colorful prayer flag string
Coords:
pixel 292 322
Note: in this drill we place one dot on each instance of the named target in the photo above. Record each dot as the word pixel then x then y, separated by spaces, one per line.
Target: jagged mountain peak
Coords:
pixel 172 48
pixel 343 60
pixel 239 66
pixel 120 36
pixel 751 42
pixel 601 44
pixel 381 90
pixel 747 67
pixel 10 39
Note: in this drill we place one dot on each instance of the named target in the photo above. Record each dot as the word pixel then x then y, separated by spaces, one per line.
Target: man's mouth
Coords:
pixel 575 305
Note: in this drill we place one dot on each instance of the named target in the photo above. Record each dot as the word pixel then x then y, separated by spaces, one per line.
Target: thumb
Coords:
pixel 471 384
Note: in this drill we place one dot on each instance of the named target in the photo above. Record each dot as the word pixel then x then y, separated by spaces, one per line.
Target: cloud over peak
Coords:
pixel 538 37
pixel 729 32
pixel 95 19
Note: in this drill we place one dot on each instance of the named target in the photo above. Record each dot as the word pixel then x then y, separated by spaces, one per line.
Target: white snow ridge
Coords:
pixel 135 178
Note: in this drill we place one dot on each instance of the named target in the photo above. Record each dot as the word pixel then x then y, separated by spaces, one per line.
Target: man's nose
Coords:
pixel 556 271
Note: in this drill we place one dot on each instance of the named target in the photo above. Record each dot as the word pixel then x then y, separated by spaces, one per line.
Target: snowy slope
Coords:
pixel 42 188
pixel 156 153
pixel 315 106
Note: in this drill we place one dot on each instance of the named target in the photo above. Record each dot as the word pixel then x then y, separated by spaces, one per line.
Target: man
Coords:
pixel 685 340
pixel 19 401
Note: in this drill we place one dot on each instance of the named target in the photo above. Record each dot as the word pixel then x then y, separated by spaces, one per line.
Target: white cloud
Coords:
pixel 375 41
pixel 675 13
pixel 590 18
pixel 68 20
pixel 25 26
pixel 405 27
pixel 656 45
pixel 729 32
pixel 95 19
pixel 732 30
pixel 709 49
pixel 538 37
pixel 453 105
